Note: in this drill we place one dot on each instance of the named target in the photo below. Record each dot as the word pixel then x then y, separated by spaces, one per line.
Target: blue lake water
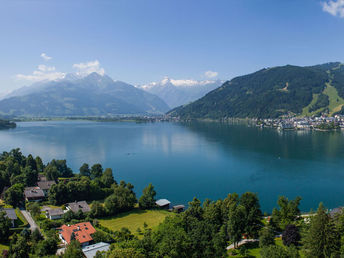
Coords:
pixel 206 160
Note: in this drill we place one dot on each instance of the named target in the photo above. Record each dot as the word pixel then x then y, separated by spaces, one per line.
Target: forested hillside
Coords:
pixel 272 92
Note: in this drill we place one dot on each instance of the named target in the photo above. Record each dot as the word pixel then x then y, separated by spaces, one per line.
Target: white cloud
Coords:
pixel 46 57
pixel 334 7
pixel 43 73
pixel 84 69
pixel 211 74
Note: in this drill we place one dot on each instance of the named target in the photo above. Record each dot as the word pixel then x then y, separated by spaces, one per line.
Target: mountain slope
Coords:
pixel 270 93
pixel 94 95
pixel 180 92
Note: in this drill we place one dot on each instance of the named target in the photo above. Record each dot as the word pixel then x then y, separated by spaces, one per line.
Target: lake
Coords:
pixel 206 160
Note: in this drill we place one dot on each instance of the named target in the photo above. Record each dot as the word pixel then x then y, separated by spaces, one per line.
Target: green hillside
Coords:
pixel 272 92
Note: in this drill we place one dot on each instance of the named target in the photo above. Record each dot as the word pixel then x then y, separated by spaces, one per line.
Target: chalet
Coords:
pixel 42 177
pixel 81 232
pixel 11 214
pixel 45 186
pixel 76 206
pixel 163 203
pixel 33 194
pixel 178 208
pixel 54 213
pixel 91 250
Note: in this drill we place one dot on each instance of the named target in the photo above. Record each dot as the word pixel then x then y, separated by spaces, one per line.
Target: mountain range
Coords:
pixel 180 92
pixel 272 92
pixel 93 95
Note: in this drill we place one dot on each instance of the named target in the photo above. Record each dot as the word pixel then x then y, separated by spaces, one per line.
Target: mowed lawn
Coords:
pixel 3 247
pixel 135 219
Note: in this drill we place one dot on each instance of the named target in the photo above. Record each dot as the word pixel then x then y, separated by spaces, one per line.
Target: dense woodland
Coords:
pixel 203 230
pixel 268 93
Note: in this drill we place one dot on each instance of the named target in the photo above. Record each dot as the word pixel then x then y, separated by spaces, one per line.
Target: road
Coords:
pixel 29 219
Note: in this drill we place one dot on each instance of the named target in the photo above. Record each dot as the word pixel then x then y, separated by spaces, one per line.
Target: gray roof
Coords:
pixel 55 212
pixel 76 206
pixel 336 211
pixel 162 202
pixel 10 213
pixel 45 185
pixel 91 250
pixel 177 207
pixel 33 192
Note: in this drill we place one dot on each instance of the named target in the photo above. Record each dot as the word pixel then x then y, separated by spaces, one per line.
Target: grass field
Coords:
pixel 254 250
pixel 3 247
pixel 21 221
pixel 336 102
pixel 334 106
pixel 135 219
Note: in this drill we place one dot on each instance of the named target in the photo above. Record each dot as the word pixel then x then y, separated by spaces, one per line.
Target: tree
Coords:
pixel 30 175
pixel 147 200
pixel 73 250
pixel 85 170
pixel 123 199
pixel 51 172
pixel 30 162
pixel 266 237
pixel 14 195
pixel 322 239
pixel 97 210
pixel 34 208
pixel 107 178
pixel 39 164
pixel 287 214
pixel 236 223
pixel 96 171
pixel 47 247
pixel 291 235
pixel 252 215
pixel 5 225
pixel 125 252
pixel 36 236
pixel 19 247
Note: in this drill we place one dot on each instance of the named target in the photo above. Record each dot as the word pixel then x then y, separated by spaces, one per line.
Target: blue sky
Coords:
pixel 140 41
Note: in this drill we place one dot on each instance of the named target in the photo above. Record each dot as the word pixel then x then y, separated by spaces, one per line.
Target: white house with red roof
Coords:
pixel 82 232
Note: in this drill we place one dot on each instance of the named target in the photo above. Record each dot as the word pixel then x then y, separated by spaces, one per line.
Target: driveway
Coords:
pixel 29 219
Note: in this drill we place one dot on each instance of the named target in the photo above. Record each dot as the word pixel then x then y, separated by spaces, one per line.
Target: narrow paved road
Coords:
pixel 29 219
pixel 242 242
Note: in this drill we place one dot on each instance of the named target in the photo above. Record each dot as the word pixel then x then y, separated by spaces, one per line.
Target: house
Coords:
pixel 45 186
pixel 82 232
pixel 11 214
pixel 33 194
pixel 178 208
pixel 76 206
pixel 42 177
pixel 91 250
pixel 54 213
pixel 163 203
pixel 336 212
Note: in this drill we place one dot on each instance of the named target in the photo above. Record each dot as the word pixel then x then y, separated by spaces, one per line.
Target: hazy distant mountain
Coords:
pixel 272 92
pixel 93 95
pixel 180 92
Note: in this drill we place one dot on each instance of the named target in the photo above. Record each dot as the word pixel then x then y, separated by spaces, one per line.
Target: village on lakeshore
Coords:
pixel 321 123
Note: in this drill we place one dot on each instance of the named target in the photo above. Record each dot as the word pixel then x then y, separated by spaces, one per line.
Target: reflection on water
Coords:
pixel 207 160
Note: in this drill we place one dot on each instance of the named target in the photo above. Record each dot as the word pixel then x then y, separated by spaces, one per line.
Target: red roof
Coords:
pixel 82 232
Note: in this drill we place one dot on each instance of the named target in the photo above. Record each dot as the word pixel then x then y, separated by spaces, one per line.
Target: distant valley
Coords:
pixel 179 92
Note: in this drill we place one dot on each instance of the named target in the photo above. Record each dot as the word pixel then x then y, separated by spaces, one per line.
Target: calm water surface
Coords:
pixel 207 160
